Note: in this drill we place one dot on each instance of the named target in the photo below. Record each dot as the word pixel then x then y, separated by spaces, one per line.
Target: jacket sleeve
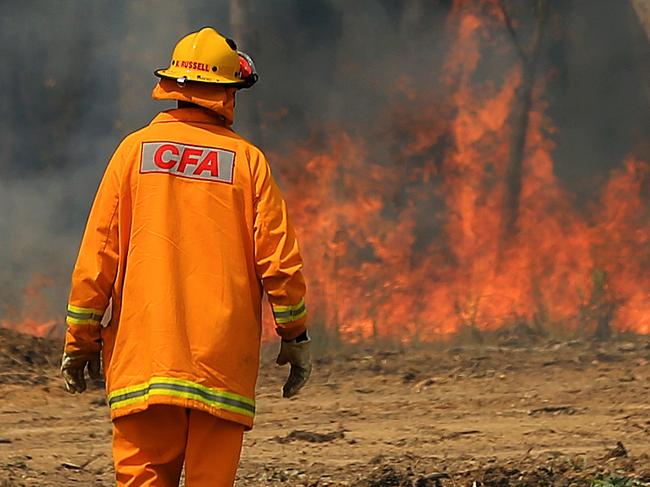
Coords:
pixel 96 266
pixel 277 255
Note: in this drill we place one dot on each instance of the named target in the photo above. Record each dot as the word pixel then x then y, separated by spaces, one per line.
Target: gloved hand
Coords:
pixel 73 366
pixel 297 353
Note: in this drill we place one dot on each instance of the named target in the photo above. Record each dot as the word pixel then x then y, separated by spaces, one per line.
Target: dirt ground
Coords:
pixel 511 414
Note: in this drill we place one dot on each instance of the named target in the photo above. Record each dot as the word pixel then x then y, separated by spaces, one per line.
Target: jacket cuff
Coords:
pixel 290 333
pixel 290 320
pixel 83 340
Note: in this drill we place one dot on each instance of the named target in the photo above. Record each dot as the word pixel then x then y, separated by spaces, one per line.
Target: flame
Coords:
pixel 33 327
pixel 401 223
pixel 409 245
pixel 32 317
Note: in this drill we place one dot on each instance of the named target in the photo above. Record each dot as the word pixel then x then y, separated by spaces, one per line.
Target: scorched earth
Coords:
pixel 522 412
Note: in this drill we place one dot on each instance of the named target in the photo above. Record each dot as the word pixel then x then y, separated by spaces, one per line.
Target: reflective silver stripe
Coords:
pixel 188 161
pixel 181 388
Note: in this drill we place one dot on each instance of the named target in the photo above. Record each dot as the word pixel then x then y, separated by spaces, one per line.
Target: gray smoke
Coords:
pixel 77 77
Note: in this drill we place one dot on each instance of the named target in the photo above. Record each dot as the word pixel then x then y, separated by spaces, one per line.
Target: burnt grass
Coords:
pixel 411 471
pixel 28 360
pixel 529 472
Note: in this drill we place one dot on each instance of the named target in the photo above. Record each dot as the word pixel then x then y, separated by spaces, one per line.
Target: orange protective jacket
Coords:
pixel 187 230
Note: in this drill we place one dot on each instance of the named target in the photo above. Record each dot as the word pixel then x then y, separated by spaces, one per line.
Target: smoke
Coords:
pixel 600 101
pixel 77 78
pixel 82 82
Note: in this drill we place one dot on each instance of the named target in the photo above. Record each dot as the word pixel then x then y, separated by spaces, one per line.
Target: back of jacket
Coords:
pixel 187 230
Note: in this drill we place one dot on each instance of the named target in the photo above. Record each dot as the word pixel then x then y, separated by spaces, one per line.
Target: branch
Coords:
pixel 508 21
pixel 541 16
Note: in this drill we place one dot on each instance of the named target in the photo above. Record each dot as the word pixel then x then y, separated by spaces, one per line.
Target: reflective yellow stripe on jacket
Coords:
pixel 286 314
pixel 83 316
pixel 166 386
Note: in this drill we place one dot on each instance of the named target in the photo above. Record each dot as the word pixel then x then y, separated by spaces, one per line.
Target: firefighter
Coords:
pixel 187 231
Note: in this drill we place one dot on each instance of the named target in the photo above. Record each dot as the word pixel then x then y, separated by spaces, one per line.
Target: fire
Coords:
pixel 32 316
pixel 33 327
pixel 410 244
pixel 403 224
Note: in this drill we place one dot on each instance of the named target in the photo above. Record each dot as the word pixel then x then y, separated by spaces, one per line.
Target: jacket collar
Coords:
pixel 190 115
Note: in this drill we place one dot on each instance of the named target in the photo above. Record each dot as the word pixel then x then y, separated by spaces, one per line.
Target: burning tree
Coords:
pixel 458 219
pixel 520 117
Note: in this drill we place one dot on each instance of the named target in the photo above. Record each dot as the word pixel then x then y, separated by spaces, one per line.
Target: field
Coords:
pixel 515 412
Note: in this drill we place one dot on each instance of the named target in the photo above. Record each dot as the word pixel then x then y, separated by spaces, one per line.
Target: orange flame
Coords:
pixel 418 254
pixel 33 316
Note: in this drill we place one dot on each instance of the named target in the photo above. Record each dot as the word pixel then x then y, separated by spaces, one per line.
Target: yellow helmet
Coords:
pixel 208 57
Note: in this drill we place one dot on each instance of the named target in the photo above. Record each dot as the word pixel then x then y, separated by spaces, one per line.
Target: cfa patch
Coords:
pixel 188 161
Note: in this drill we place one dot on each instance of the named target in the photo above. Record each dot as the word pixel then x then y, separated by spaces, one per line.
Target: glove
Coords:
pixel 297 353
pixel 73 366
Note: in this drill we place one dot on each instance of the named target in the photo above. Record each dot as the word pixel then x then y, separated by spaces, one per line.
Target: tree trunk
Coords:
pixel 642 8
pixel 245 36
pixel 520 116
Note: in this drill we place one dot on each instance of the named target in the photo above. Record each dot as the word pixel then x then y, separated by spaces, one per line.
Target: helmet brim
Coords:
pixel 207 79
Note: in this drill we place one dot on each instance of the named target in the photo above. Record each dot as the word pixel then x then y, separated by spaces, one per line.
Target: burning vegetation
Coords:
pixel 462 221
pixel 445 211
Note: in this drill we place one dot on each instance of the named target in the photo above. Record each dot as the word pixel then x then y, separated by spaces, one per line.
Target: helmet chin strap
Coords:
pixel 186 104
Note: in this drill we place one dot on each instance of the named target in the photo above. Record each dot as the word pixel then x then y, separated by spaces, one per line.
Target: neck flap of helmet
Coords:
pixel 217 98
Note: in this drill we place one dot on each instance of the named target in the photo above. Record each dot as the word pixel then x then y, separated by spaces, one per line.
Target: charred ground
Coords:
pixel 518 410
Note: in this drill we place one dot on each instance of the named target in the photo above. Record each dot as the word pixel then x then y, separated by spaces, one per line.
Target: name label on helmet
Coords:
pixel 191 65
pixel 188 161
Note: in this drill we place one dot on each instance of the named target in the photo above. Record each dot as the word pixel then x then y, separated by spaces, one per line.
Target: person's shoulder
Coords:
pixel 239 138
pixel 246 145
pixel 136 137
pixel 142 132
pixel 130 144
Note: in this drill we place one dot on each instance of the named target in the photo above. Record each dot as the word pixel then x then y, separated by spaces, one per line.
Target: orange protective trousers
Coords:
pixel 150 448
